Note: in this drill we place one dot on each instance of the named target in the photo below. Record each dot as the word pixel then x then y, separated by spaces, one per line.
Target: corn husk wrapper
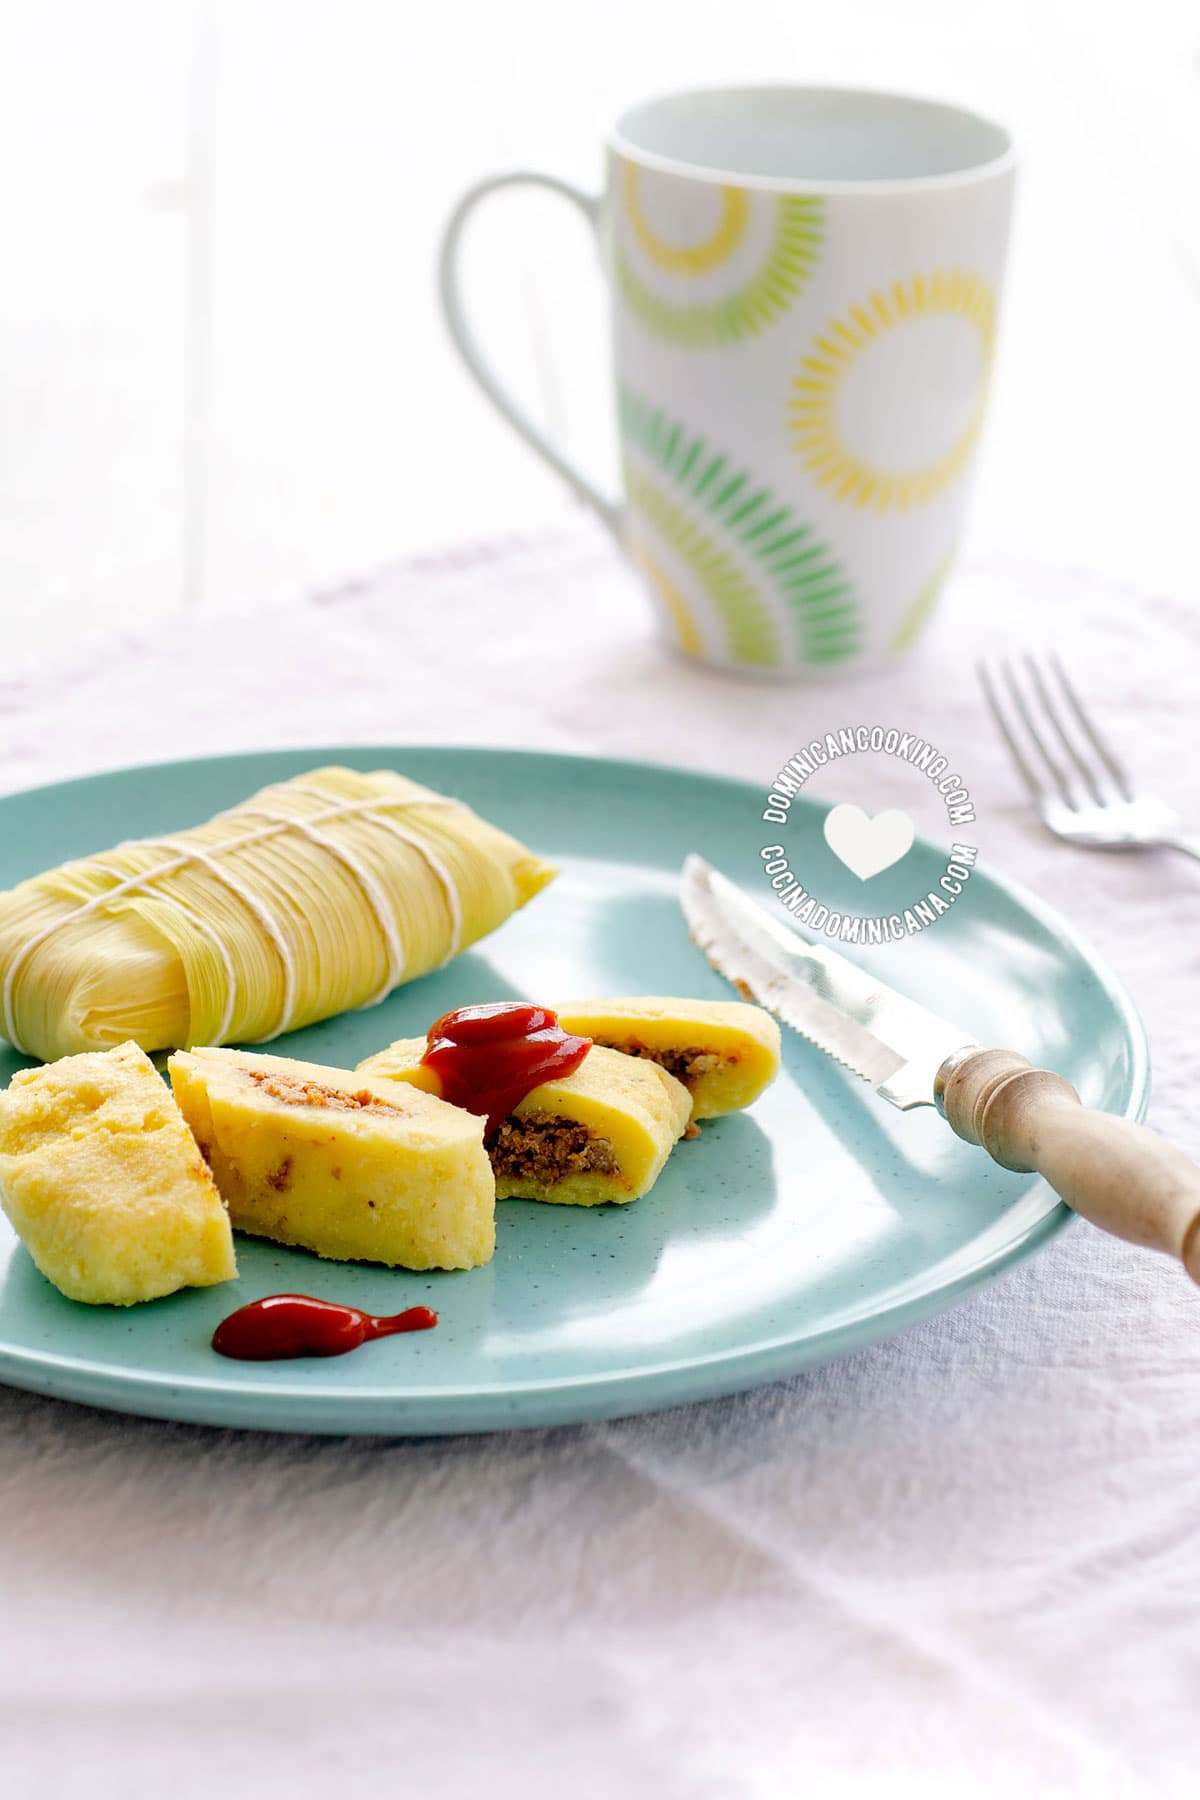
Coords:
pixel 314 896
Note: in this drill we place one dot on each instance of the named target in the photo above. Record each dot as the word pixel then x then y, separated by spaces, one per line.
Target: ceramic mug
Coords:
pixel 805 286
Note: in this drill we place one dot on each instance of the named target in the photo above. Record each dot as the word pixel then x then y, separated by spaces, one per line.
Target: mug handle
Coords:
pixel 467 345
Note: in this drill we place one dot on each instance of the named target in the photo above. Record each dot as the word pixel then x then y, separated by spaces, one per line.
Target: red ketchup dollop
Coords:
pixel 489 1057
pixel 286 1325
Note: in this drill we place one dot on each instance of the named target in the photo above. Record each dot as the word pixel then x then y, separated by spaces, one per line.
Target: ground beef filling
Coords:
pixel 290 1090
pixel 685 1065
pixel 539 1146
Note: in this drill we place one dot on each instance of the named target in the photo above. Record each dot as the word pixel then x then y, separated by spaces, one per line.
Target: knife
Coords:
pixel 1123 1177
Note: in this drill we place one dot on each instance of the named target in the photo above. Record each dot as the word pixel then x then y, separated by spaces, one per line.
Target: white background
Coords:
pixel 223 380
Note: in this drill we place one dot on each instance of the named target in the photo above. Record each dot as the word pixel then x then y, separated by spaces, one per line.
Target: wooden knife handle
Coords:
pixel 1123 1177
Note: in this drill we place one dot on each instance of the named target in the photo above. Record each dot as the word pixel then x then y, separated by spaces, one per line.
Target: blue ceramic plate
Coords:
pixel 808 1227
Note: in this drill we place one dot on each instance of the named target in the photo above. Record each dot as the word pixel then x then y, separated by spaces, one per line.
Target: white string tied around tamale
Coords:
pixel 437 868
pixel 140 881
pixel 375 814
pixel 426 798
pixel 277 823
pixel 208 930
pixel 126 884
pixel 375 897
pixel 375 811
pixel 266 919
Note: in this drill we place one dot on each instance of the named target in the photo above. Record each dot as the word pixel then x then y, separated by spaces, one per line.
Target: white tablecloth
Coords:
pixel 965 1560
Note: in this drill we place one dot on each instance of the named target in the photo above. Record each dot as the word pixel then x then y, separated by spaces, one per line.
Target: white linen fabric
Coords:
pixel 961 1561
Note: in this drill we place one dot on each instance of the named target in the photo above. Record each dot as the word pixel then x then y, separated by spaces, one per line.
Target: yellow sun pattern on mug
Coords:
pixel 741 277
pixel 813 409
pixel 689 259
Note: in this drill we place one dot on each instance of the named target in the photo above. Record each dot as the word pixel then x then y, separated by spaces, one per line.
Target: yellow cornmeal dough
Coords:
pixel 104 1184
pixel 601 1134
pixel 339 1164
pixel 724 1051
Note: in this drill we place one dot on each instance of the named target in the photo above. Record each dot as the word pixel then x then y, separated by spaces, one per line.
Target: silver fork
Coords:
pixel 1078 784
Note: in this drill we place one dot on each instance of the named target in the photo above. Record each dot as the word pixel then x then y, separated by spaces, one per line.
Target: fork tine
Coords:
pixel 1083 718
pixel 984 672
pixel 987 680
pixel 1051 708
pixel 1018 705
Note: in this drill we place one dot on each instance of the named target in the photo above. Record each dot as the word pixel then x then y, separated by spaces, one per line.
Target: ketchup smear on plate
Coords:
pixel 489 1057
pixel 286 1325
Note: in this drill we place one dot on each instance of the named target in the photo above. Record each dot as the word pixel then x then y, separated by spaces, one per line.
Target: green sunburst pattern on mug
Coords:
pixel 763 549
pixel 757 301
pixel 749 630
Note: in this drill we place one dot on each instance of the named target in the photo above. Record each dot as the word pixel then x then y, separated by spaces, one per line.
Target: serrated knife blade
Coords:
pixel 1116 1173
pixel 891 1041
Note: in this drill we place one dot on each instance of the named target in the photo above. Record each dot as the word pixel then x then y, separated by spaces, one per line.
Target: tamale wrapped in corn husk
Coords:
pixel 315 895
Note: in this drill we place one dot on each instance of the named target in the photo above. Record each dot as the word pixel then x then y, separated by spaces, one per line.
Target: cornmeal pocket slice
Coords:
pixel 104 1184
pixel 349 1168
pixel 601 1134
pixel 724 1051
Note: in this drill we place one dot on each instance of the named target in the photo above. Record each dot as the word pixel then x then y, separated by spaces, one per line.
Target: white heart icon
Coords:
pixel 868 845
